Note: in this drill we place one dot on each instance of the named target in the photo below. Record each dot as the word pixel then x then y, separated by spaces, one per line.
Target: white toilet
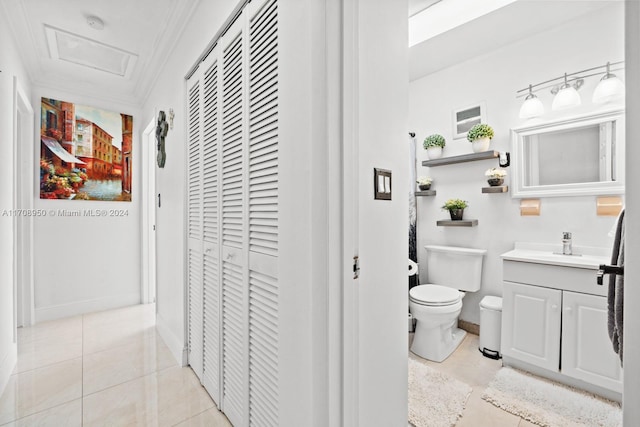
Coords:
pixel 451 271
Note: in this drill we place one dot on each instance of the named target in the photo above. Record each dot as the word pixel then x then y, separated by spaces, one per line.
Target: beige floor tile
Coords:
pixel 68 327
pixel 210 418
pixel 163 398
pixel 66 415
pixel 47 351
pixel 124 363
pixel 109 329
pixel 525 423
pixel 40 389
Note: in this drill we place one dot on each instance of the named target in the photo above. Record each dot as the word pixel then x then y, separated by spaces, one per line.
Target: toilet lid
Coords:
pixel 434 295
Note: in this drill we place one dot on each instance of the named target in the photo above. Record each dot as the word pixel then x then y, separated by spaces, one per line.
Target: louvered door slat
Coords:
pixel 196 333
pixel 233 348
pixel 232 154
pixel 263 349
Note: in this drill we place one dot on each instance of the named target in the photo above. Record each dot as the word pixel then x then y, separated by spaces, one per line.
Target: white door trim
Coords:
pixel 148 286
pixel 23 194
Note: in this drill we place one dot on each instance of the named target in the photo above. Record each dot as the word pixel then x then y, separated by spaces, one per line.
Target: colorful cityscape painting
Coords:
pixel 85 152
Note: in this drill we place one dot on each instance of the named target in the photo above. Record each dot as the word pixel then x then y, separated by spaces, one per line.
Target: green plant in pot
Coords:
pixel 424 183
pixel 480 137
pixel 434 145
pixel 495 176
pixel 456 208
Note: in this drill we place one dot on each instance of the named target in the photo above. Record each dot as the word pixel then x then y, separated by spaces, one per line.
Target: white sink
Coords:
pixel 584 256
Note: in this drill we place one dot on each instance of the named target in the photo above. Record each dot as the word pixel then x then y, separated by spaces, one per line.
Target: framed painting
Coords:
pixel 85 152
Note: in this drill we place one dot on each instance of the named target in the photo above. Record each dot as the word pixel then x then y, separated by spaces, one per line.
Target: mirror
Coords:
pixel 582 155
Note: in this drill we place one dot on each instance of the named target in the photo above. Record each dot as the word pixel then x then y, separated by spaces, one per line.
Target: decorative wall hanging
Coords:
pixel 161 132
pixel 85 152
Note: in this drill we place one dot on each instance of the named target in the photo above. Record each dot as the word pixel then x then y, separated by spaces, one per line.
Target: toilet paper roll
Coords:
pixel 413 267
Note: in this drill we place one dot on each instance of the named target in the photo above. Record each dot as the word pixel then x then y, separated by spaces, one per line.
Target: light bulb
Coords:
pixel 532 106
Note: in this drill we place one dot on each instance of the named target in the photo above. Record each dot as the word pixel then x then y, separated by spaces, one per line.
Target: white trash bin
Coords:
pixel 490 326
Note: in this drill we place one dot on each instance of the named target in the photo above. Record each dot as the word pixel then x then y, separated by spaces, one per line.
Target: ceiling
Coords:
pixel 142 31
pixel 509 24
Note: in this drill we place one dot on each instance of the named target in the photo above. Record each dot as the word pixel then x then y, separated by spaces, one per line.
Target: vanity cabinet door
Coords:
pixel 531 320
pixel 587 353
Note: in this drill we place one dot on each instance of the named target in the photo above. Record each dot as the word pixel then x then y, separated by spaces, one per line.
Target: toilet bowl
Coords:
pixel 436 306
pixel 436 310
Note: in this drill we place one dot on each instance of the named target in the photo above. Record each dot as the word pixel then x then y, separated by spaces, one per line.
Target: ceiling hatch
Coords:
pixel 83 51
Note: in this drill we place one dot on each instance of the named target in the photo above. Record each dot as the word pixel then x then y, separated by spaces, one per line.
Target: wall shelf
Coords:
pixel 426 193
pixel 496 189
pixel 485 155
pixel 461 223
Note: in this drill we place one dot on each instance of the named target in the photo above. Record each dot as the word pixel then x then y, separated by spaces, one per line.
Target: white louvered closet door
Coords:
pixel 211 225
pixel 233 219
pixel 194 224
pixel 262 30
pixel 234 227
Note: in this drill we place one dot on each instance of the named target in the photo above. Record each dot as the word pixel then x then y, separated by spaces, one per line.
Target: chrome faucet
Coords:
pixel 566 243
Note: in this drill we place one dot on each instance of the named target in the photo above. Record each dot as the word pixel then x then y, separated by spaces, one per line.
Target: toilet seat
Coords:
pixel 434 295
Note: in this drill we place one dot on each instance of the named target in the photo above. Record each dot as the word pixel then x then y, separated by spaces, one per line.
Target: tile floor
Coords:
pixel 103 369
pixel 468 365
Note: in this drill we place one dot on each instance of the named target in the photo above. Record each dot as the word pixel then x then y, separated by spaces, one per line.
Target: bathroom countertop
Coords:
pixel 550 254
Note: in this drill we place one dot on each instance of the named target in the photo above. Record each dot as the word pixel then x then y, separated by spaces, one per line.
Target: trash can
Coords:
pixel 490 326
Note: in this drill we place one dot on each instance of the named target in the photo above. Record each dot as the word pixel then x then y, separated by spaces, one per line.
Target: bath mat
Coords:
pixel 435 399
pixel 547 403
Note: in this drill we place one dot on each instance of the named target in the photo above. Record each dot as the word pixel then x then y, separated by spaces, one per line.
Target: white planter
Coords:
pixel 480 145
pixel 434 152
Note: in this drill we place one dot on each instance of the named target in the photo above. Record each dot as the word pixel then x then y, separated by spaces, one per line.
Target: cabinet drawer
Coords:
pixel 581 280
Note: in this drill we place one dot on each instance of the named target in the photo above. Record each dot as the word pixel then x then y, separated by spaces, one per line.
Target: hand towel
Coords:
pixel 615 296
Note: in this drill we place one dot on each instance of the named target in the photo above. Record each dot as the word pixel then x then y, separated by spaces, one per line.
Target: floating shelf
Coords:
pixel 461 223
pixel 426 193
pixel 496 189
pixel 485 155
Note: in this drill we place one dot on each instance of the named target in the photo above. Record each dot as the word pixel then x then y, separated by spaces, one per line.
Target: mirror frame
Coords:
pixel 519 190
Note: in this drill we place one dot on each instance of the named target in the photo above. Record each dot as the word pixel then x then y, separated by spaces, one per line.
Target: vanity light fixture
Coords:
pixel 565 88
pixel 610 88
pixel 567 96
pixel 532 106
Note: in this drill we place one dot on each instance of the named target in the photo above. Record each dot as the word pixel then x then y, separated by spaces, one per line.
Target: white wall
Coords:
pixel 631 394
pixel 11 66
pixel 84 264
pixel 494 77
pixel 382 75
pixel 168 92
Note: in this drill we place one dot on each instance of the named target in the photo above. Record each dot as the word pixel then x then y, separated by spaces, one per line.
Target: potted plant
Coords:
pixel 495 176
pixel 456 208
pixel 434 145
pixel 424 183
pixel 480 136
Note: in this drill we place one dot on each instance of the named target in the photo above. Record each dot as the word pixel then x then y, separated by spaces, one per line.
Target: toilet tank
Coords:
pixel 455 267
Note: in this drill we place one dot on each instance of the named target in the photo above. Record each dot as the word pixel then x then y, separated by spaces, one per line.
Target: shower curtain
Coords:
pixel 413 254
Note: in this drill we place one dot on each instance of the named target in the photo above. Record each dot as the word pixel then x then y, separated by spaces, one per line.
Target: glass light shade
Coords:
pixel 532 107
pixel 567 97
pixel 609 89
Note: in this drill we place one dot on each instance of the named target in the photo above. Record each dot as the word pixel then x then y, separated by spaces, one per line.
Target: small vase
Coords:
pixel 424 187
pixel 434 153
pixel 456 214
pixel 494 182
pixel 480 145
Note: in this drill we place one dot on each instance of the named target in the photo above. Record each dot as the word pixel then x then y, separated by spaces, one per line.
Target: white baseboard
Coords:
pixel 7 365
pixel 87 306
pixel 177 346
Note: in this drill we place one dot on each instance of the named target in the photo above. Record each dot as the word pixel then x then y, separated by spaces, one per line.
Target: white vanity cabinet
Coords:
pixel 554 321
pixel 586 351
pixel 531 324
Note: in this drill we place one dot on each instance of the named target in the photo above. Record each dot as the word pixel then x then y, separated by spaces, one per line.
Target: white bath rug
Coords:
pixel 435 399
pixel 547 403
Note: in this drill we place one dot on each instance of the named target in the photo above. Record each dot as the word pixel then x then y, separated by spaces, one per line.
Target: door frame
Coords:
pixel 23 187
pixel 148 219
